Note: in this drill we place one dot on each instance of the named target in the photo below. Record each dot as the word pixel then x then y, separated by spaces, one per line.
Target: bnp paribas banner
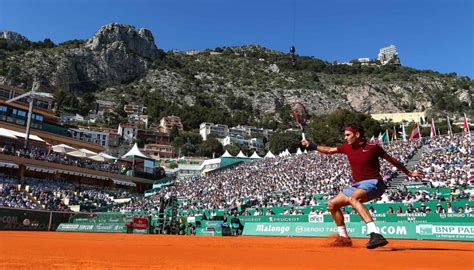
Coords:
pixel 435 231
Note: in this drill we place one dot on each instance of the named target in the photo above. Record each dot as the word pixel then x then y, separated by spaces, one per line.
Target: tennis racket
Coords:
pixel 301 116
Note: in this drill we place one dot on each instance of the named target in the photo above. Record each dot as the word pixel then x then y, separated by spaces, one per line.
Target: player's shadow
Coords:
pixel 423 248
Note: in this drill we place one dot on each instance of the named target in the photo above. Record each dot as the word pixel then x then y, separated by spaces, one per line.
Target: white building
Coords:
pixel 98 137
pixel 218 130
pixel 253 143
pixel 127 131
pixel 386 54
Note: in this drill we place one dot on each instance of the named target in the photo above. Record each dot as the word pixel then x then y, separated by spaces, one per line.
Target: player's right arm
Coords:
pixel 309 145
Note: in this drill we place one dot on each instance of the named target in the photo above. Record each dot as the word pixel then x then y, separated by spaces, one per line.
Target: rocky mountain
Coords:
pixel 123 64
pixel 13 38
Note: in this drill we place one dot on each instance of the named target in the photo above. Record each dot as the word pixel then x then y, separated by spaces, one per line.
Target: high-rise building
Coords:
pixel 388 53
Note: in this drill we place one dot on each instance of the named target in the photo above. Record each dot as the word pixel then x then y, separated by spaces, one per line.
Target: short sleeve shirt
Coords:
pixel 363 159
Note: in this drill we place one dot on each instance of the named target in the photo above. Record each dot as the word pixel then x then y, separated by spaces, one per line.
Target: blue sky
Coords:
pixel 429 34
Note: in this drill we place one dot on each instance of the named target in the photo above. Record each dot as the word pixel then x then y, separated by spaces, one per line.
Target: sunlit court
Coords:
pixel 54 250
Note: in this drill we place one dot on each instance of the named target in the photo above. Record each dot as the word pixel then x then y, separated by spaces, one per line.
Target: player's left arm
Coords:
pixel 400 166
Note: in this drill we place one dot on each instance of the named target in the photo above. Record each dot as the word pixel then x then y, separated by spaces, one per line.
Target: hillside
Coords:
pixel 233 85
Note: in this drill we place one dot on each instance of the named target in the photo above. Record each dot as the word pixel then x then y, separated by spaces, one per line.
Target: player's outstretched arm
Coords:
pixel 400 166
pixel 309 145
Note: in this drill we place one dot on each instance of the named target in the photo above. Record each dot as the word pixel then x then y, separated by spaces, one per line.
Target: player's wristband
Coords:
pixel 312 146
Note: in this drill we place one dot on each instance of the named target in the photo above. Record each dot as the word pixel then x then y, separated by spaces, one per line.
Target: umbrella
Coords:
pixel 63 148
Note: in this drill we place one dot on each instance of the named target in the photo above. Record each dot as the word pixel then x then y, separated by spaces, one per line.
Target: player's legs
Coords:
pixel 334 206
pixel 366 191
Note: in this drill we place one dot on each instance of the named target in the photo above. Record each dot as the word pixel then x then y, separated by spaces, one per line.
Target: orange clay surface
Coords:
pixel 60 250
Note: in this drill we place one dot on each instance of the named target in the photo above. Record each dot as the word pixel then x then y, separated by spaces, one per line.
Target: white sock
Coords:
pixel 342 231
pixel 372 228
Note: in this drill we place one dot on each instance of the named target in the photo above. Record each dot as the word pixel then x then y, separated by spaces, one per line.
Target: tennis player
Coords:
pixel 367 183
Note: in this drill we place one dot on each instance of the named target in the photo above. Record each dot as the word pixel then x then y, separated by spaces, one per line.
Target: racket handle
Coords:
pixel 303 136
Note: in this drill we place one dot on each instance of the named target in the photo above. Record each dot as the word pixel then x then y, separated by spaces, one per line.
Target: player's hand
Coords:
pixel 305 143
pixel 415 174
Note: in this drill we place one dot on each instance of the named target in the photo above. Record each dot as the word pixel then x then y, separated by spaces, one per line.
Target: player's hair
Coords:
pixel 357 127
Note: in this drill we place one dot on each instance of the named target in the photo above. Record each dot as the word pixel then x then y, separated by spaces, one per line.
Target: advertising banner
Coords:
pixel 435 231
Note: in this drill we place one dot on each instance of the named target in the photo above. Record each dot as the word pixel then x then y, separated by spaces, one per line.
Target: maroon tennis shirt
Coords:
pixel 364 160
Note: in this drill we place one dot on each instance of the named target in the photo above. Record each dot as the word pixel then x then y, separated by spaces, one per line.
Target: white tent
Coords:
pixel 23 135
pixel 97 158
pixel 306 151
pixel 88 152
pixel 255 155
pixel 104 155
pixel 63 148
pixel 269 155
pixel 298 152
pixel 241 155
pixel 226 154
pixel 7 133
pixel 134 152
pixel 77 153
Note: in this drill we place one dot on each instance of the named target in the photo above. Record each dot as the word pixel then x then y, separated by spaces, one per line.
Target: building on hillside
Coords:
pixel 419 117
pixel 98 137
pixel 70 118
pixel 387 54
pixel 168 122
pixel 158 151
pixel 222 131
pixel 252 143
pixel 138 119
pixel 218 130
pixel 152 137
pixel 136 109
pixel 127 132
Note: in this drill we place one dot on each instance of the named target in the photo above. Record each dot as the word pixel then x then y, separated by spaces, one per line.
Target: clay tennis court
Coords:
pixel 54 250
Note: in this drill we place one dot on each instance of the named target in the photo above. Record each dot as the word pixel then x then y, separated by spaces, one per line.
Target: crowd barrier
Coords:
pixel 31 220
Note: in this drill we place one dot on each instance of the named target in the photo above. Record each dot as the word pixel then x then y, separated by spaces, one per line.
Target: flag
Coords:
pixel 404 134
pixel 372 140
pixel 450 131
pixel 415 132
pixel 385 138
pixel 433 129
pixel 379 138
pixel 466 126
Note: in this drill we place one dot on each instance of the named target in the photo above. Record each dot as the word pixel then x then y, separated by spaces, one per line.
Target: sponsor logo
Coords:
pixel 389 230
pixel 271 228
pixel 26 222
pixel 429 229
pixel 316 218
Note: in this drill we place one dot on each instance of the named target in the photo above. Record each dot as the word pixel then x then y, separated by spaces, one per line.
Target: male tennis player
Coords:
pixel 367 183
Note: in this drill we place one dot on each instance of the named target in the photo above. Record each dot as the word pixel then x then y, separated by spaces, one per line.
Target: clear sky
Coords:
pixel 429 34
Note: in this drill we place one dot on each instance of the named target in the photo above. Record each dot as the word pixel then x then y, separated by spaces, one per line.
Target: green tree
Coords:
pixel 211 147
pixel 284 140
pixel 232 149
pixel 328 129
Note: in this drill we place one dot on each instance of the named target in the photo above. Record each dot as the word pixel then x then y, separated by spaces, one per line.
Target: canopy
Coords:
pixel 7 134
pixel 255 155
pixel 104 155
pixel 241 155
pixel 298 152
pixel 23 135
pixel 134 152
pixel 269 155
pixel 227 154
pixel 63 148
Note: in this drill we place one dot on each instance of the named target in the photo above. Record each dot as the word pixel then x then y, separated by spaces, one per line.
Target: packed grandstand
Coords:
pixel 293 185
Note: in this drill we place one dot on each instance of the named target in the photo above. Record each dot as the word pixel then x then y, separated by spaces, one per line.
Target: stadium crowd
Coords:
pixel 282 181
pixel 56 195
